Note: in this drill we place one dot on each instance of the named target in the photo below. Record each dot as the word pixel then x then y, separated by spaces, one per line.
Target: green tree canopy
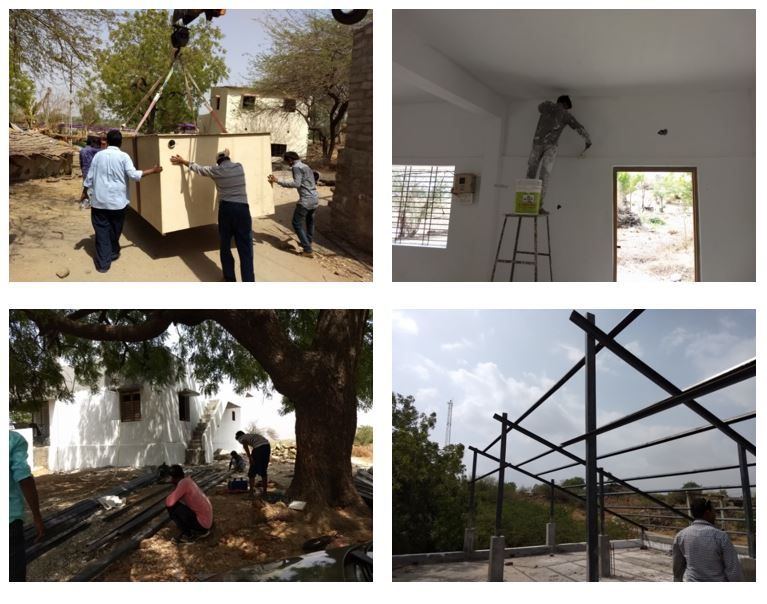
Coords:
pixel 310 61
pixel 429 494
pixel 47 41
pixel 139 52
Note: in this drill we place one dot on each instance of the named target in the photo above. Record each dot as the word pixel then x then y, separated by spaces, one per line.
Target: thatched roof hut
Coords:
pixel 34 155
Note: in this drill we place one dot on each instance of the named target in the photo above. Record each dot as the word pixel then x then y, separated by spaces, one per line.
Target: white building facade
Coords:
pixel 132 425
pixel 242 110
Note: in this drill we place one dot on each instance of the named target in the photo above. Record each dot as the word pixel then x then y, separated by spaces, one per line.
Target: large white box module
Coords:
pixel 179 199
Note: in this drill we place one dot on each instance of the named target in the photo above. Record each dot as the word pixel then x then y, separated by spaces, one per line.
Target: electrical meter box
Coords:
pixel 464 184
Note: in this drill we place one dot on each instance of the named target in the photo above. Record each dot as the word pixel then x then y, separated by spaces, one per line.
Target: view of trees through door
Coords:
pixel 655 224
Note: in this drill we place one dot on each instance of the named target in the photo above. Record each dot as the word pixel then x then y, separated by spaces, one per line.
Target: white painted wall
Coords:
pixel 224 437
pixel 713 131
pixel 88 433
pixel 285 128
pixel 441 134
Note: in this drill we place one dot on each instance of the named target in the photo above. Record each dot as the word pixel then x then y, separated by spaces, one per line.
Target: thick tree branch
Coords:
pixel 157 322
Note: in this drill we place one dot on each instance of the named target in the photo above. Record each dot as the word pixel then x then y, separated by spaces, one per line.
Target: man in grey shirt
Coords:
pixel 234 218
pixel 554 118
pixel 702 552
pixel 308 200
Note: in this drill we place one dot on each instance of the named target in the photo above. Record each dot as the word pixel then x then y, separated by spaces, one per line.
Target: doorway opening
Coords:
pixel 656 224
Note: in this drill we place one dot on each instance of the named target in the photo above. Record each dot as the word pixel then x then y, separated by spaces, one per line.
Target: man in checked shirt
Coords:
pixel 702 552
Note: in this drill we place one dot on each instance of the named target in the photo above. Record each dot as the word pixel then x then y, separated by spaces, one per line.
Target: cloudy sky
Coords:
pixel 491 361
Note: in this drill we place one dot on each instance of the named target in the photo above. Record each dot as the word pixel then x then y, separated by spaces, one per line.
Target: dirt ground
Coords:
pixel 245 532
pixel 645 254
pixel 51 239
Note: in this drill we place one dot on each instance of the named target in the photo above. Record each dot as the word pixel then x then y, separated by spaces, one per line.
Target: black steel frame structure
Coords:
pixel 597 479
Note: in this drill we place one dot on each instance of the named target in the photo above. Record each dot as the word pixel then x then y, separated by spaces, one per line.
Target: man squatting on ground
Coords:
pixel 21 488
pixel 308 200
pixel 702 552
pixel 258 450
pixel 234 218
pixel 107 183
pixel 188 507
pixel 554 118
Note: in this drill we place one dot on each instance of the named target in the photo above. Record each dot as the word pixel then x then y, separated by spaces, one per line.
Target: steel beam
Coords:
pixel 627 320
pixel 582 462
pixel 684 473
pixel 727 378
pixel 556 486
pixel 692 432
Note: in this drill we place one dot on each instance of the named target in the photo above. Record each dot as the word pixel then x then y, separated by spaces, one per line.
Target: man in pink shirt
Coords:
pixel 188 507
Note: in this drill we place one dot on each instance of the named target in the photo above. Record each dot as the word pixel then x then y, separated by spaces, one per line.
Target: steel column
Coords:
pixel 551 502
pixel 592 561
pixel 471 489
pixel 748 510
pixel 501 473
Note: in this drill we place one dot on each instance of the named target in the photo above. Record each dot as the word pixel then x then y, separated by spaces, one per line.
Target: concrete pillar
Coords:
pixel 749 568
pixel 468 540
pixel 604 556
pixel 551 535
pixel 495 567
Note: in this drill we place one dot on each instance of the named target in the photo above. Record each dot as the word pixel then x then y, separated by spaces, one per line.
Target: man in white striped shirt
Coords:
pixel 702 552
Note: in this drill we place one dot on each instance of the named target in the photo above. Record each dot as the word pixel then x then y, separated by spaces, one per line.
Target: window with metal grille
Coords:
pixel 421 200
pixel 130 405
pixel 183 407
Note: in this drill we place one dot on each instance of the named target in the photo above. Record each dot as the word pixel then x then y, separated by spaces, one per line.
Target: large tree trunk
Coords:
pixel 324 439
pixel 322 385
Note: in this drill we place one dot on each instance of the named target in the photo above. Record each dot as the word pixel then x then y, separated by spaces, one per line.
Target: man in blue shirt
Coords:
pixel 92 147
pixel 21 487
pixel 107 182
pixel 308 200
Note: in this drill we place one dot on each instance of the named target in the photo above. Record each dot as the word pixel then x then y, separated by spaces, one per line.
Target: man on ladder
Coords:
pixel 554 118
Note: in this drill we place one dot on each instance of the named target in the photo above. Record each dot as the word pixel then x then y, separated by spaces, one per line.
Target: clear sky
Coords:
pixel 491 361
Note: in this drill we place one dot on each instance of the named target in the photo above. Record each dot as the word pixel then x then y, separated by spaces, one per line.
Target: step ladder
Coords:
pixel 535 253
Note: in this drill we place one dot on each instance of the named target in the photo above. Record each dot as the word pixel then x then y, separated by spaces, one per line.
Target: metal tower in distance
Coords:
pixel 449 422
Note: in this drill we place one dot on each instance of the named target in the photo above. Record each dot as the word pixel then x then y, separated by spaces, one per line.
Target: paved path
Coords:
pixel 629 565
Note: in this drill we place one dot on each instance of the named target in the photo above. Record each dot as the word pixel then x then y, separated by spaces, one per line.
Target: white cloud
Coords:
pixel 426 395
pixel 635 347
pixel 403 324
pixel 460 344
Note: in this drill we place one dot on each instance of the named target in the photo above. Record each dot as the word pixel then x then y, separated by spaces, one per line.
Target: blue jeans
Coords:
pixel 108 226
pixel 305 236
pixel 234 221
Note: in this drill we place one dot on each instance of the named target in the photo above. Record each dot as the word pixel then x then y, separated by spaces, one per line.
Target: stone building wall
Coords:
pixel 351 210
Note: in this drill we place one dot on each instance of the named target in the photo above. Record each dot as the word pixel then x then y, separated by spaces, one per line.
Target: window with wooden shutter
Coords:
pixel 130 405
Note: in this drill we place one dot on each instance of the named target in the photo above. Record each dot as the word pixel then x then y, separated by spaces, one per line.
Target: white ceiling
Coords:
pixel 525 54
